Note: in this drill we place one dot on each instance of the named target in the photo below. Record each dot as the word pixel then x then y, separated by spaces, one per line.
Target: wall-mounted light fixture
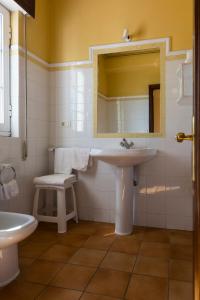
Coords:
pixel 126 36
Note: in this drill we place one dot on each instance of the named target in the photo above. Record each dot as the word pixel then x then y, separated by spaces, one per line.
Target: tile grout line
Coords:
pixel 128 283
pixel 168 279
pixel 131 274
pixel 98 267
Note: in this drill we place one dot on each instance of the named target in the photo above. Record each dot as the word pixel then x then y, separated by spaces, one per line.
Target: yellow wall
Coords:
pixel 64 29
pixel 128 75
pixel 37 29
pixel 78 24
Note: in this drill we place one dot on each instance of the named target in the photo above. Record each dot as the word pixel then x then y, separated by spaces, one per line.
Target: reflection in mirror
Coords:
pixel 129 92
pixel 154 108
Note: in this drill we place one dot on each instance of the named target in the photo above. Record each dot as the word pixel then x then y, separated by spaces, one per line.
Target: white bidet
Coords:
pixel 13 229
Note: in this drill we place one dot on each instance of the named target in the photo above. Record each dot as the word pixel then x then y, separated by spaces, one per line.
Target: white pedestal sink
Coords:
pixel 124 160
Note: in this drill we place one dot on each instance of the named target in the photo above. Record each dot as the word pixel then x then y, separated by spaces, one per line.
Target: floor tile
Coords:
pixel 47 227
pixel 73 277
pixel 59 253
pixel 160 250
pixel 33 249
pixel 161 254
pixel 181 270
pixel 139 228
pixel 88 228
pixel 105 230
pixel 146 287
pixel 25 262
pixel 20 291
pixel 87 296
pixel 181 237
pixel 151 266
pixel 53 293
pixel 181 252
pixel 87 257
pixel 42 271
pixel 126 244
pixel 109 283
pixel 99 242
pixel 44 236
pixel 179 290
pixel 156 235
pixel 119 261
pixel 138 234
pixel 75 240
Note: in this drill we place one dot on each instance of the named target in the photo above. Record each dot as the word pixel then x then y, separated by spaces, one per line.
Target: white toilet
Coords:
pixel 13 229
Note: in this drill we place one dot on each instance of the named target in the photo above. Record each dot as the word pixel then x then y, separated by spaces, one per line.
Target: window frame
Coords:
pixel 5 128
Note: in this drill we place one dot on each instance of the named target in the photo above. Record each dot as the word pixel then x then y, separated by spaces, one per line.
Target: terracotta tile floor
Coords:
pixel 90 262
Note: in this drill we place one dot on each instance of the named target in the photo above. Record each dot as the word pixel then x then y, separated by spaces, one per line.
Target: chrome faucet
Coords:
pixel 125 144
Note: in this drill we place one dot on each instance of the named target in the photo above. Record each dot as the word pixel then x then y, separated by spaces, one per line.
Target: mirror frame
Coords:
pixel 145 47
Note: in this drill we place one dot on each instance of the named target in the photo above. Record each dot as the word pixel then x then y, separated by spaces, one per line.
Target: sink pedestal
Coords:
pixel 124 200
pixel 124 161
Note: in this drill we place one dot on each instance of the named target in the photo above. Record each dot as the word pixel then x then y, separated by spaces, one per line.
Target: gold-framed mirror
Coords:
pixel 129 89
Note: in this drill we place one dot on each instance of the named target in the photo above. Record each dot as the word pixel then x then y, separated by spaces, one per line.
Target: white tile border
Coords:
pixel 125 97
pixel 30 54
pixel 106 46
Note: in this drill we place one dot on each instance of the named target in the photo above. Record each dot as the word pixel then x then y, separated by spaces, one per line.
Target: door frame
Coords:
pixel 196 182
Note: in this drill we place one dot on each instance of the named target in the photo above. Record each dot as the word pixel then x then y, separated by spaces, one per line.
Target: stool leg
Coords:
pixel 61 211
pixel 74 203
pixel 35 202
pixel 49 202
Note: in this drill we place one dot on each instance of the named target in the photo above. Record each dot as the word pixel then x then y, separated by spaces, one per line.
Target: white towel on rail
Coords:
pixel 67 159
pixel 80 159
pixel 62 162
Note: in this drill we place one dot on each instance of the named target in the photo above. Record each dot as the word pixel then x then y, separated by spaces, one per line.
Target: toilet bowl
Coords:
pixel 13 229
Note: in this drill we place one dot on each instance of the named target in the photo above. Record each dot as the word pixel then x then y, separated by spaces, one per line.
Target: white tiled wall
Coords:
pixel 164 192
pixel 163 195
pixel 38 132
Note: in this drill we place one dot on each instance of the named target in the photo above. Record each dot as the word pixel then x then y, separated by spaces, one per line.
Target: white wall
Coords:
pixel 38 132
pixel 164 194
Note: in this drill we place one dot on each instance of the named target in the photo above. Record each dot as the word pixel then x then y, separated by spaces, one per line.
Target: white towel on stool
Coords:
pixel 67 159
pixel 10 189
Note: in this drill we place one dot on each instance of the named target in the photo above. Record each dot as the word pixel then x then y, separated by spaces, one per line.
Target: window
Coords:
pixel 4 72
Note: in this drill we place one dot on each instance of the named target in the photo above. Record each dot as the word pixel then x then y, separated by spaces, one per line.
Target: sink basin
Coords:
pixel 124 161
pixel 124 157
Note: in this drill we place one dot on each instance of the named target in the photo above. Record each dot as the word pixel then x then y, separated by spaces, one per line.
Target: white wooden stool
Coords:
pixel 60 183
